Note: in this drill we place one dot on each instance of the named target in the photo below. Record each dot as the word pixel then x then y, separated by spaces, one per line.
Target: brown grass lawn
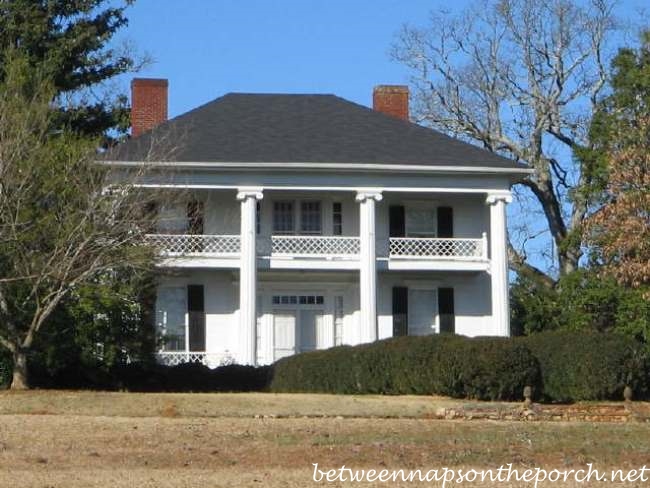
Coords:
pixel 83 439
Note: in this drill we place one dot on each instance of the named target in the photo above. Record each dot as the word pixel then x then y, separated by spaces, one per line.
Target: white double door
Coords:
pixel 297 330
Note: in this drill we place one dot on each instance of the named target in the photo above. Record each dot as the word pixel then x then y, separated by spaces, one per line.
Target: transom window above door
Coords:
pixel 298 299
pixel 308 214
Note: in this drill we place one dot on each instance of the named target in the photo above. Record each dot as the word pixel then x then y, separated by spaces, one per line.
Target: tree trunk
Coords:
pixel 20 378
pixel 568 261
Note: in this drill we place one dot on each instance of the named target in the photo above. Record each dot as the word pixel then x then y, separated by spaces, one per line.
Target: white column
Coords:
pixel 499 261
pixel 367 265
pixel 248 276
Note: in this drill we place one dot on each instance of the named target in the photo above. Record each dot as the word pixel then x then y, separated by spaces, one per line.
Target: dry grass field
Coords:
pixel 85 439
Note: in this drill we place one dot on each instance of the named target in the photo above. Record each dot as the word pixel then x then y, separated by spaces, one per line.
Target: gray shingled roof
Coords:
pixel 272 128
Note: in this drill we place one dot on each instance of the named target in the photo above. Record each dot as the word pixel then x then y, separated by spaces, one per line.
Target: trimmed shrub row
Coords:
pixel 193 377
pixel 482 368
pixel 560 366
pixel 578 366
pixel 189 377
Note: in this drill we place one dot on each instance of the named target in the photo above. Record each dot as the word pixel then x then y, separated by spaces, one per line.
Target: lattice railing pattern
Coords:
pixel 209 359
pixel 437 248
pixel 314 246
pixel 321 246
pixel 189 244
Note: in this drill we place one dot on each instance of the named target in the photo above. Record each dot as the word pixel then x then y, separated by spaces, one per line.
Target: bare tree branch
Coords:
pixel 520 78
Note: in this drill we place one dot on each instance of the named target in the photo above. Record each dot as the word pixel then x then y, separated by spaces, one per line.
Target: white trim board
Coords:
pixel 405 189
pixel 289 166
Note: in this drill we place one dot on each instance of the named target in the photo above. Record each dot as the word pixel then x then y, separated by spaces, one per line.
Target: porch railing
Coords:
pixel 438 248
pixel 209 359
pixel 314 246
pixel 323 246
pixel 191 244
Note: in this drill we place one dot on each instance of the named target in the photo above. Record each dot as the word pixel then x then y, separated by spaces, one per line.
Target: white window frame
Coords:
pixel 340 214
pixel 338 317
pixel 420 206
pixel 425 285
pixel 275 231
pixel 297 217
pixel 163 328
pixel 320 217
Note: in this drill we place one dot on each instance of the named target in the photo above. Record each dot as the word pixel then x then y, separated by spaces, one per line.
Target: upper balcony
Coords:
pixel 321 230
pixel 323 252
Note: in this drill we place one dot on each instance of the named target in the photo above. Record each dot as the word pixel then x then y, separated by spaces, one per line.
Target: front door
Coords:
pixel 311 330
pixel 299 324
pixel 284 333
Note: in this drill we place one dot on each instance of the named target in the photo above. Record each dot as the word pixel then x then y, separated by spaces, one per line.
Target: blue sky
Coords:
pixel 210 47
pixel 207 48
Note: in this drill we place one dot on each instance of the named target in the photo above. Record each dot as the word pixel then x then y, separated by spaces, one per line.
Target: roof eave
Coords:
pixel 310 166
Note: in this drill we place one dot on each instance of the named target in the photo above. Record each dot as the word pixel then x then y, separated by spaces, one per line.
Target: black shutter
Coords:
pixel 396 221
pixel 195 217
pixel 195 224
pixel 151 216
pixel 196 317
pixel 400 311
pixel 445 222
pixel 446 310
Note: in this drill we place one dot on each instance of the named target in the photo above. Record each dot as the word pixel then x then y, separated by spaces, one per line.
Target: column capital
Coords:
pixel 498 196
pixel 245 193
pixel 363 195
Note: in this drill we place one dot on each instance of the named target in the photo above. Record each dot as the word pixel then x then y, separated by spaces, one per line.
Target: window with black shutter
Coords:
pixel 400 311
pixel 445 222
pixel 195 225
pixel 195 217
pixel 446 310
pixel 196 317
pixel 396 221
pixel 150 213
pixel 337 219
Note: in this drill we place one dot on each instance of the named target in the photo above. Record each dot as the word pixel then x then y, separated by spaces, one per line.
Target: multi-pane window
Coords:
pixel 310 217
pixel 298 299
pixel 307 212
pixel 171 310
pixel 337 219
pixel 283 217
pixel 420 222
pixel 172 219
pixel 338 320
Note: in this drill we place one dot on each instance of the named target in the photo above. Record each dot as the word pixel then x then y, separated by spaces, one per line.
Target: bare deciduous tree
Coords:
pixel 63 220
pixel 522 79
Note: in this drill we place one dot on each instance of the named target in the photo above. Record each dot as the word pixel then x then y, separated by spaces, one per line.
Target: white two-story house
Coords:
pixel 307 221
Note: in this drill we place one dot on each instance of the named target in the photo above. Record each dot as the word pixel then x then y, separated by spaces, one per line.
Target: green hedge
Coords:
pixel 481 368
pixel 560 366
pixel 587 365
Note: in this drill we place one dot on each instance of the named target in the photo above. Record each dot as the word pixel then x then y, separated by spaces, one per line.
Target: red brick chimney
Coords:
pixel 148 104
pixel 391 100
